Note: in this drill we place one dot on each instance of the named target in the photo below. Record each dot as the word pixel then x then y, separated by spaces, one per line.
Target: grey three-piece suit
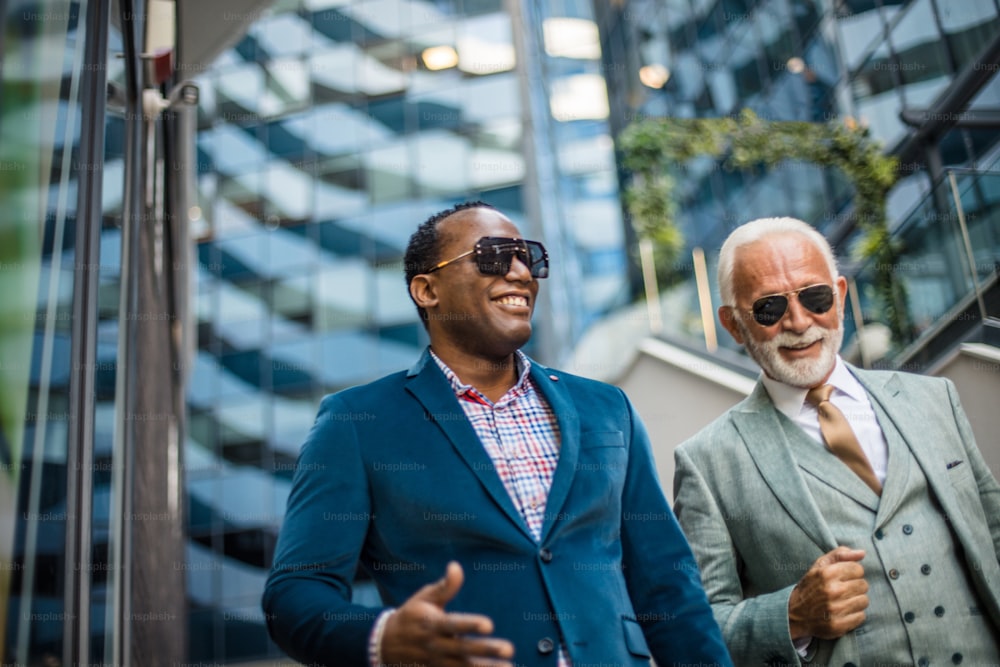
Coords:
pixel 760 501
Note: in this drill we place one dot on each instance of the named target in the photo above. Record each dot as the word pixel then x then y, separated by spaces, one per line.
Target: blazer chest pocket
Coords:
pixel 599 439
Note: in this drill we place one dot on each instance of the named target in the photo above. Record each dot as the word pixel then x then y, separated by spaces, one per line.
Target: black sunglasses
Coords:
pixel 768 310
pixel 494 255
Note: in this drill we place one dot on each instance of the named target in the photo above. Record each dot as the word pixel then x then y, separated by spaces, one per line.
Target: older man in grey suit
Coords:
pixel 883 553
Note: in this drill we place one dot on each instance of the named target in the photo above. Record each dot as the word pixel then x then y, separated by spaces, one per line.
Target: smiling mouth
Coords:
pixel 801 346
pixel 512 300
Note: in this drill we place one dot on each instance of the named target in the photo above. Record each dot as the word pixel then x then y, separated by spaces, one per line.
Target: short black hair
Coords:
pixel 423 251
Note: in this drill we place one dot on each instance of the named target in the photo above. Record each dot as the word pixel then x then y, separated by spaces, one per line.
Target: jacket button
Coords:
pixel 849 664
pixel 923 662
pixel 956 659
pixel 909 617
pixel 546 645
pixel 545 555
pixel 925 568
pixel 894 573
pixel 879 534
pixel 907 529
pixel 939 611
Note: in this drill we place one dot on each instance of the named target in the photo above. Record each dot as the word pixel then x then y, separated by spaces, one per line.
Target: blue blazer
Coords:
pixel 394 478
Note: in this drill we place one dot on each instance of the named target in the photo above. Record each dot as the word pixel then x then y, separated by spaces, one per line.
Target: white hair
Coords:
pixel 756 230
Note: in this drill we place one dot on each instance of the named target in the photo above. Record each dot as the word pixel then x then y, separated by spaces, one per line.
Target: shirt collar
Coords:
pixel 789 400
pixel 461 389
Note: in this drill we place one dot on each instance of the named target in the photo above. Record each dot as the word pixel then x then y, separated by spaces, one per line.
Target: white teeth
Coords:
pixel 513 301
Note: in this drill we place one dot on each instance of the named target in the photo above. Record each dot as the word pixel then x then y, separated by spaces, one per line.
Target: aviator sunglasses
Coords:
pixel 494 255
pixel 768 310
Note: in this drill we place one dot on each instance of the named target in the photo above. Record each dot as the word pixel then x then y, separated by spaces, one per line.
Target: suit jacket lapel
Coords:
pixel 759 425
pixel 548 384
pixel 429 386
pixel 915 430
pixel 824 465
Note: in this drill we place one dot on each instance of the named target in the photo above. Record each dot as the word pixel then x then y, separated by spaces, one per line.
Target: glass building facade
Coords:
pixel 919 74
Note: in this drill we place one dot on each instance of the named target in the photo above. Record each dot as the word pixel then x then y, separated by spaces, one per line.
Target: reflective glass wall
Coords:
pixel 48 159
pixel 893 66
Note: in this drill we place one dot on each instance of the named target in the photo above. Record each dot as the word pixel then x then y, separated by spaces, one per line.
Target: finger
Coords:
pixel 465 624
pixel 444 589
pixel 842 554
pixel 471 648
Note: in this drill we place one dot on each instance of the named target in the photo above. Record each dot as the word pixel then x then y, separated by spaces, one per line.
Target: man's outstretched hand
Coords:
pixel 421 632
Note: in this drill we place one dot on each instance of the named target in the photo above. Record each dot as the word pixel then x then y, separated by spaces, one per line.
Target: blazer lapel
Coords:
pixel 428 385
pixel 821 463
pixel 915 430
pixel 759 425
pixel 547 382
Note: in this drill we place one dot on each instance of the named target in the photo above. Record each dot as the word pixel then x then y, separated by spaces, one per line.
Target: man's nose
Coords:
pixel 796 318
pixel 519 271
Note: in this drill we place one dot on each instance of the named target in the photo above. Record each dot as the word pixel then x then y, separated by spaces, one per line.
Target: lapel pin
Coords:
pixel 953 464
pixel 554 378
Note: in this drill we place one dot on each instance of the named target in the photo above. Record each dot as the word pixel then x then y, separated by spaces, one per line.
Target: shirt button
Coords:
pixel 894 573
pixel 925 568
pixel 909 617
pixel 907 529
pixel 545 555
pixel 939 611
pixel 546 645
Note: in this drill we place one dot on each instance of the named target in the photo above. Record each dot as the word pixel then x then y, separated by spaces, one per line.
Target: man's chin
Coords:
pixel 805 373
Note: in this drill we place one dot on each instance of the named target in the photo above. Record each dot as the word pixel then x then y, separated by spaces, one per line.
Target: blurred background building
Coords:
pixel 208 207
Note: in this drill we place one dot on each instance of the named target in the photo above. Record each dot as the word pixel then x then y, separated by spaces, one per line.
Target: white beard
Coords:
pixel 803 373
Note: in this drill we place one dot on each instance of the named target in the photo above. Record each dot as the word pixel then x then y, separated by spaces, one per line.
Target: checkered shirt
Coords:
pixel 521 434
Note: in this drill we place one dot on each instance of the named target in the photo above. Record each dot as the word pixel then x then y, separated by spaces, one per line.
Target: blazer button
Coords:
pixel 923 662
pixel 956 659
pixel 907 529
pixel 545 555
pixel 939 611
pixel 879 534
pixel 925 568
pixel 546 645
pixel 849 664
pixel 909 617
pixel 894 573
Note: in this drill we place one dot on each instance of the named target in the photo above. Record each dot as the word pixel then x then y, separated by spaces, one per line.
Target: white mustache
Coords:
pixel 804 339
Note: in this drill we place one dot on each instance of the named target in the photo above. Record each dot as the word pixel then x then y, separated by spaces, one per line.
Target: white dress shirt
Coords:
pixel 850 397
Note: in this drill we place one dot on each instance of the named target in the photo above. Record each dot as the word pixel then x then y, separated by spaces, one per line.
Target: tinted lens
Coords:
pixel 538 259
pixel 817 299
pixel 769 309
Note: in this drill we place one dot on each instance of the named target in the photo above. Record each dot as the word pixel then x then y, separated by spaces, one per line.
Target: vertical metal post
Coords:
pixel 120 543
pixel 967 242
pixel 83 355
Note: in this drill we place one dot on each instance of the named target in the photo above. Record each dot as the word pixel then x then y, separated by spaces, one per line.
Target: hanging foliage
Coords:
pixel 655 147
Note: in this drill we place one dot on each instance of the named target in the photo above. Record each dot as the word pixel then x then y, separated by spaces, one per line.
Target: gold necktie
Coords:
pixel 840 437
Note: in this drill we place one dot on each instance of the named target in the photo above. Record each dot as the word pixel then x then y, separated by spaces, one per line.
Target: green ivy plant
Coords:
pixel 652 148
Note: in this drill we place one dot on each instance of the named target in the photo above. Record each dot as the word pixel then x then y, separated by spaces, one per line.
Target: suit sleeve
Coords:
pixel 660 572
pixel 756 628
pixel 989 489
pixel 307 596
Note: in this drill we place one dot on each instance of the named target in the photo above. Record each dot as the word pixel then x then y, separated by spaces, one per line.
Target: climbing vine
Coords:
pixel 654 148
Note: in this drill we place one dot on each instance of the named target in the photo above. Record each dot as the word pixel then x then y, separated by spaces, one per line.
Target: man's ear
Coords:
pixel 727 315
pixel 422 291
pixel 841 286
